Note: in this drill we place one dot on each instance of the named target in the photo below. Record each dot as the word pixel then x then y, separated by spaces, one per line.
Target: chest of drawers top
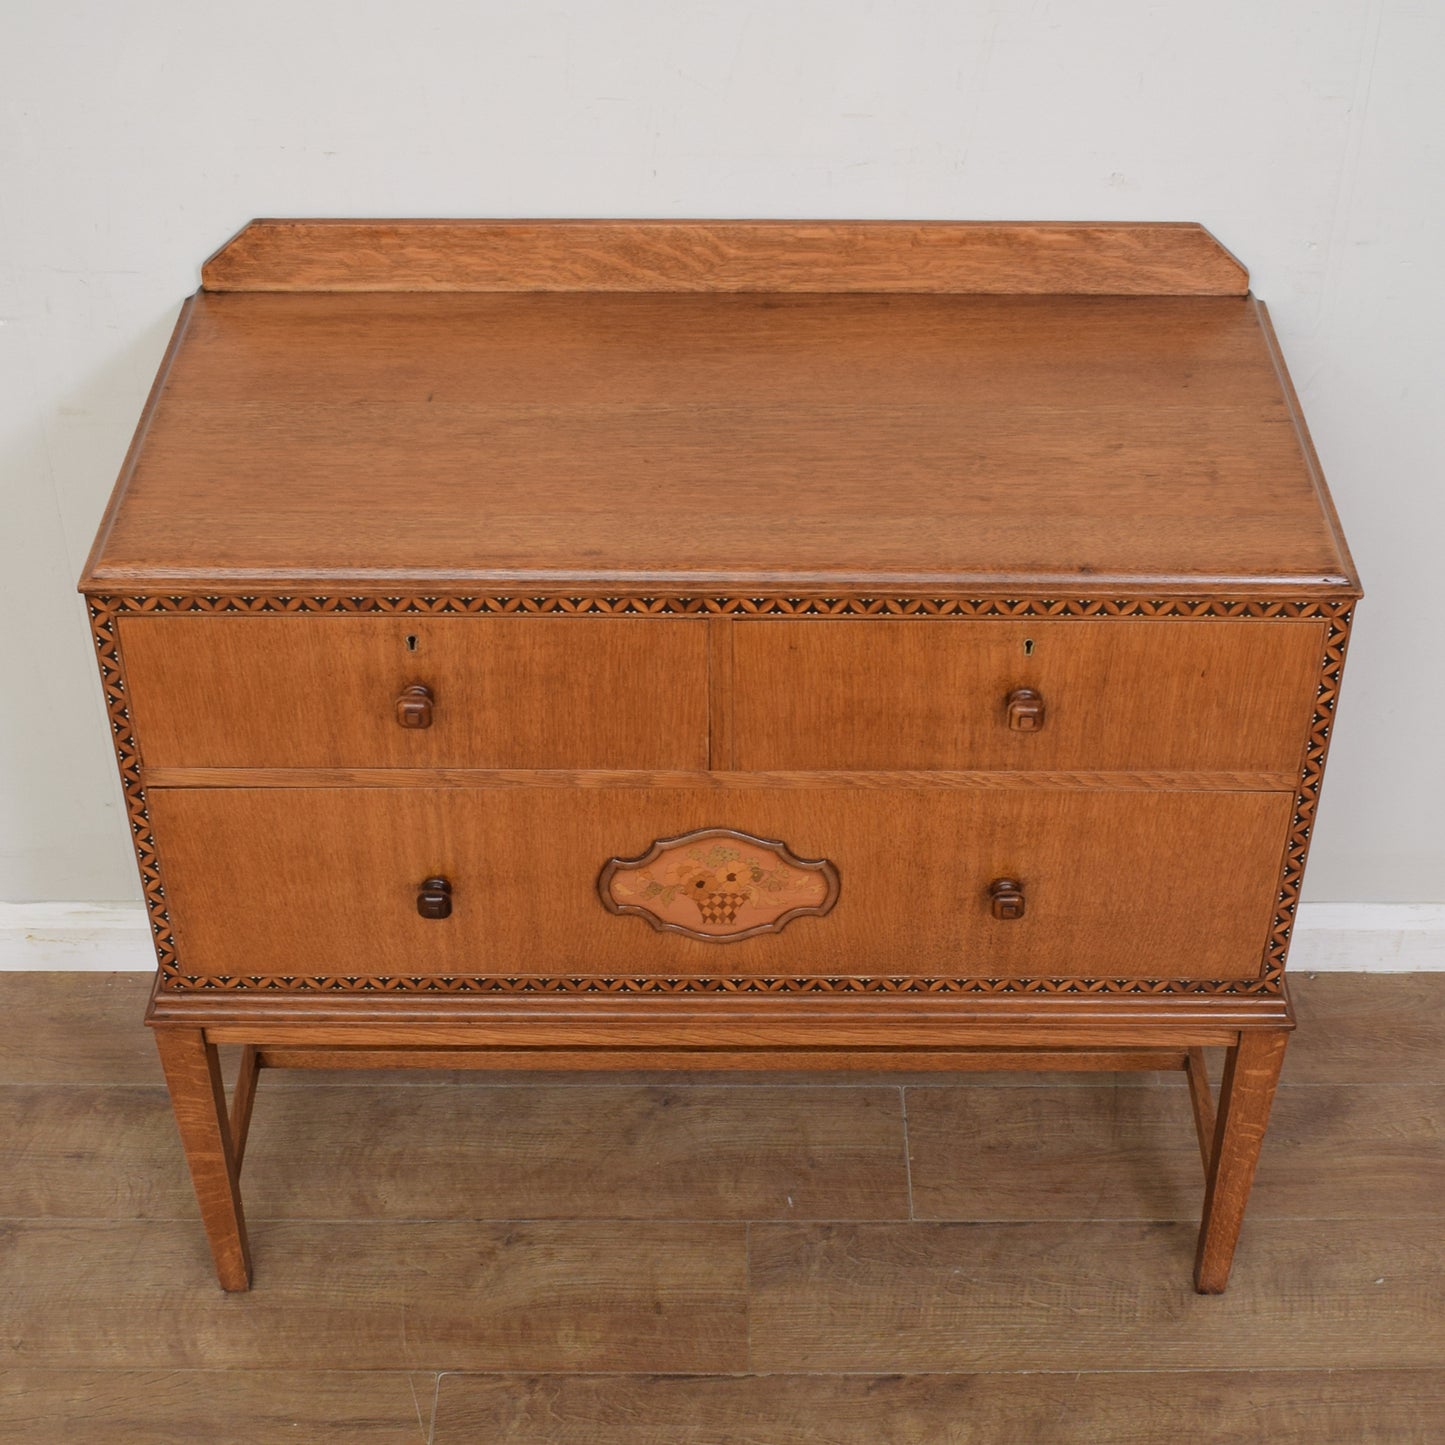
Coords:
pixel 723 408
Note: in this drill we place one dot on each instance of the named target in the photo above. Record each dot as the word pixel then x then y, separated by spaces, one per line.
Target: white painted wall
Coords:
pixel 1308 134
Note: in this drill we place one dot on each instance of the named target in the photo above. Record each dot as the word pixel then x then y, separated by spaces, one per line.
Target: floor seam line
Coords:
pixel 907 1153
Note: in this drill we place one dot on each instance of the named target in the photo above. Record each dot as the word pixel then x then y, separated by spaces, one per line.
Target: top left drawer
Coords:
pixel 319 691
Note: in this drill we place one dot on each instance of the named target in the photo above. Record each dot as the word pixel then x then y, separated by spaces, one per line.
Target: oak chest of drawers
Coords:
pixel 721 645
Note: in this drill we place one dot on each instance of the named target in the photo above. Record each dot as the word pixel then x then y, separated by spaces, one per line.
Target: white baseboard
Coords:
pixel 75 936
pixel 1369 938
pixel 1353 937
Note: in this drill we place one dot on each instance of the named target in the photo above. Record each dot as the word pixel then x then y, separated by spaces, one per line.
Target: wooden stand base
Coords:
pixel 273 1036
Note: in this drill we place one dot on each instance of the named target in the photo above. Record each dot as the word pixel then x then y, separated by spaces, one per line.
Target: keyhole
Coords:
pixel 1028 647
pixel 411 642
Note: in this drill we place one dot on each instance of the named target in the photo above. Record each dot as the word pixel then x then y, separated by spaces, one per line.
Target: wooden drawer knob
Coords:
pixel 1025 710
pixel 1007 897
pixel 434 898
pixel 414 706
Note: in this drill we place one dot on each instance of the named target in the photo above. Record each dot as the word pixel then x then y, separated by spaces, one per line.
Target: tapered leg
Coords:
pixel 243 1098
pixel 1196 1070
pixel 198 1097
pixel 1251 1072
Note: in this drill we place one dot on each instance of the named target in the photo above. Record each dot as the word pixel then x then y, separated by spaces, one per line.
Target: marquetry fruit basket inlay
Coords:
pixel 719 885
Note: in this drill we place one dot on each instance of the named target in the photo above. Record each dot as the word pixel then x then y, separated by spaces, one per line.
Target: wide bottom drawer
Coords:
pixel 310 881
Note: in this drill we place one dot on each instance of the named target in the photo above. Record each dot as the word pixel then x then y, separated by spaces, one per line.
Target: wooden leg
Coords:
pixel 1251 1072
pixel 1196 1070
pixel 243 1096
pixel 198 1097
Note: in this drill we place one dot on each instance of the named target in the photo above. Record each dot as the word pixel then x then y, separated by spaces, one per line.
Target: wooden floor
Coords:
pixel 760 1260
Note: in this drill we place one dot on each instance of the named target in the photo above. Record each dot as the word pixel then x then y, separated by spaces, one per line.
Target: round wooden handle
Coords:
pixel 1007 898
pixel 414 706
pixel 1025 709
pixel 434 898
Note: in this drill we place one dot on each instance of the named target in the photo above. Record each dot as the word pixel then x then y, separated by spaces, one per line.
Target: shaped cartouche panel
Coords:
pixel 719 885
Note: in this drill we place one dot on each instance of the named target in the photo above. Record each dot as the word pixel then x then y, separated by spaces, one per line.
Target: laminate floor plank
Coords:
pixel 1367 1028
pixel 1093 1296
pixel 76 1028
pixel 378 1296
pixel 1309 1407
pixel 1332 1152
pixel 103 1151
pixel 617 1152
pixel 370 1151
pixel 215 1407
pixel 614 1152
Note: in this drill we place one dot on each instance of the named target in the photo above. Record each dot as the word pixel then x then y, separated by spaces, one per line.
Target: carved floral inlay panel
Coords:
pixel 719 885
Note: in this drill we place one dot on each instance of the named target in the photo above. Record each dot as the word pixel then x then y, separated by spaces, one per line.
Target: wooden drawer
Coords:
pixel 1143 884
pixel 321 691
pixel 1117 695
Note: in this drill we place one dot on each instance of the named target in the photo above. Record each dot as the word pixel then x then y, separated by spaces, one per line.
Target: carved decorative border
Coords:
pixel 1336 612
pixel 771 604
pixel 127 754
pixel 660 846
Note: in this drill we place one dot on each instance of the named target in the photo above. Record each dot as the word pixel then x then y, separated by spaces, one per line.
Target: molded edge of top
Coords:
pixel 1081 258
pixel 512 1014
pixel 653 593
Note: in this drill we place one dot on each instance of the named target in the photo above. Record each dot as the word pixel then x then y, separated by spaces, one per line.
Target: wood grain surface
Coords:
pixel 1081 780
pixel 1332 1152
pixel 192 1068
pixel 1232 696
pixel 1121 258
pixel 89 1028
pixel 903 443
pixel 1198 871
pixel 1093 1295
pixel 737 1065
pixel 1333 1329
pixel 76 1028
pixel 219 1406
pixel 1010 1150
pixel 383 1151
pixel 380 1295
pixel 1362 1028
pixel 1246 1095
pixel 1257 1407
pixel 884 1033
pixel 280 692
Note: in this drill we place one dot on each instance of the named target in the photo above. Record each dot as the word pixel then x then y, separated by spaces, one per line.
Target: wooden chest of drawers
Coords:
pixel 721 645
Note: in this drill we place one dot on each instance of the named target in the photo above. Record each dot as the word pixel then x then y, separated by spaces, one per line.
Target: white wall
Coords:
pixel 136 137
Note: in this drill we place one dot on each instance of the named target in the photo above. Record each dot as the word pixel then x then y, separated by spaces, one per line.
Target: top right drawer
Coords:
pixel 938 694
